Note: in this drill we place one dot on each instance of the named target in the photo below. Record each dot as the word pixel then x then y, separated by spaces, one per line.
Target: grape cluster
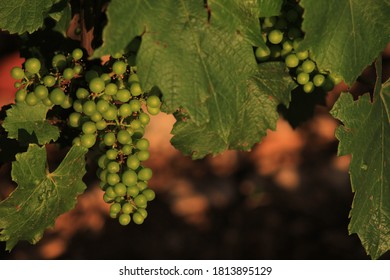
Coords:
pixel 109 108
pixel 282 35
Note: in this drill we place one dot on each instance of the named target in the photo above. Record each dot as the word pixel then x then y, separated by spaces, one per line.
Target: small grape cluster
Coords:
pixel 109 110
pixel 282 35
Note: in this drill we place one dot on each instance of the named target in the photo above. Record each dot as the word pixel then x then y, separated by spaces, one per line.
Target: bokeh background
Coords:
pixel 289 198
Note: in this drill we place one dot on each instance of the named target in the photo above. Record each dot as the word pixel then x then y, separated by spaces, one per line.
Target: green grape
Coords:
pixel 67 102
pixel 142 186
pixel 287 46
pixel 110 192
pixel 111 89
pixel 276 51
pixel 127 208
pixel 123 95
pixel 57 96
pixel 77 69
pixel 91 74
pixel 47 102
pixel 153 111
pixel 145 174
pixel 143 155
pixel 335 79
pixel 89 107
pixel 76 141
pixel 275 36
pixel 328 84
pixel 120 189
pixel 109 139
pixel 106 78
pixel 97 85
pixel 102 161
pixel 129 178
pixel 124 219
pixel 113 215
pixel 125 110
pixel 135 105
pixel 112 154
pixel 153 101
pixel 143 212
pixel 127 149
pixel 117 55
pixel 107 199
pixel 49 81
pixel 142 144
pixel 82 93
pixel 119 67
pixel 17 73
pixel 303 78
pixel 132 162
pixel 262 54
pixel 103 176
pixel 41 92
pixel 124 137
pixel 135 89
pixel 32 99
pixel 89 127
pixel 292 61
pixel 318 80
pixel 132 191
pixel 140 200
pixel 102 106
pixel 149 194
pixel 74 119
pixel 78 106
pixel 100 125
pixel 269 22
pixel 302 55
pixel 32 65
pixel 17 85
pixel 308 66
pixel 95 117
pixel 113 167
pixel 68 74
pixel 144 118
pixel 133 78
pixel 138 218
pixel 135 124
pixel 59 61
pixel 115 208
pixel 20 95
pixel 113 179
pixel 77 54
pixel 88 140
pixel 138 133
pixel 308 87
pixel 111 113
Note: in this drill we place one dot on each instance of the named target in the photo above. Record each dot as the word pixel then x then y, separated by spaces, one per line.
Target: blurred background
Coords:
pixel 289 198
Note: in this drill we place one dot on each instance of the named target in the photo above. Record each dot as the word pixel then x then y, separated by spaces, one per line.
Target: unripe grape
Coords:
pixel 143 155
pixel 95 117
pixel 308 66
pixel 287 46
pixel 68 74
pixel 82 93
pixel 20 95
pixel 138 218
pixel 100 125
pixel 89 127
pixel 89 107
pixel 276 51
pixel 140 200
pixel 127 149
pixel 17 73
pixel 111 89
pixel 123 95
pixel 67 102
pixel 102 161
pixel 109 139
pixel 302 55
pixel 132 191
pixel 111 113
pixel 76 141
pixel 47 102
pixel 106 78
pixel 31 99
pixel 125 110
pixel 124 137
pixel 78 106
pixel 135 89
pixel 149 194
pixel 144 118
pixel 132 162
pixel 127 208
pixel 102 106
pixel 124 219
pixel 17 85
pixel 269 22
pixel 145 174
pixel 77 69
pixel 262 54
pixel 133 78
pixel 120 189
pixel 135 124
pixel 59 61
pixel 318 80
pixel 57 96
pixel 119 67
pixel 77 54
pixel 142 186
pixel 117 55
pixel 115 208
pixel 303 78
pixel 129 178
pixel 113 179
pixel 74 119
pixel 143 212
pixel 142 144
pixel 41 92
pixel 153 111
pixel 111 154
pixel 275 36
pixel 292 61
pixel 113 167
pixel 97 85
pixel 88 140
pixel 32 65
pixel 308 87
pixel 49 81
pixel 335 79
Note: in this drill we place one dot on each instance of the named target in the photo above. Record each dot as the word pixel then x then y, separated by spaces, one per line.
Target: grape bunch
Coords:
pixel 108 107
pixel 282 35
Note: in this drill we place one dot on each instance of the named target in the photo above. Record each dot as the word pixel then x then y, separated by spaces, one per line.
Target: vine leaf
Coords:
pixel 62 18
pixel 243 118
pixel 41 196
pixel 24 16
pixel 269 8
pixel 28 124
pixel 344 36
pixel 365 134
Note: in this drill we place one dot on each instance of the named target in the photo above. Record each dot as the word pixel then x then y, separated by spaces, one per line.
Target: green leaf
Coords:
pixel 365 134
pixel 28 124
pixel 62 18
pixel 24 16
pixel 240 120
pixel 41 196
pixel 344 36
pixel 269 8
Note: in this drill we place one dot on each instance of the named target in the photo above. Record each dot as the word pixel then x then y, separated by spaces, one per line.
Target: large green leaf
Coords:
pixel 269 7
pixel 41 196
pixel 366 135
pixel 237 121
pixel 24 15
pixel 28 124
pixel 344 36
